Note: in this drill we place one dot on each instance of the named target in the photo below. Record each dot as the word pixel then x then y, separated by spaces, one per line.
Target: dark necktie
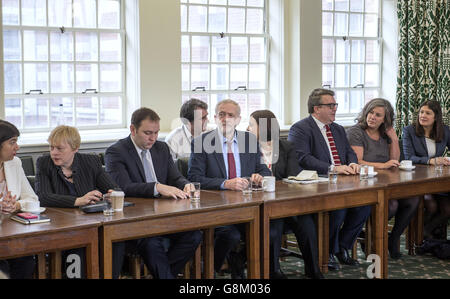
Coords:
pixel 147 169
pixel 231 162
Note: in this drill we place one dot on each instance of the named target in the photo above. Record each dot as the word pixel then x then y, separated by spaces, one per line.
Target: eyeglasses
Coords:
pixel 331 105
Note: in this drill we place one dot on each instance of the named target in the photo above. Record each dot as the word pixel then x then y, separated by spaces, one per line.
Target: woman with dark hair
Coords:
pixel 14 190
pixel 281 159
pixel 376 144
pixel 425 142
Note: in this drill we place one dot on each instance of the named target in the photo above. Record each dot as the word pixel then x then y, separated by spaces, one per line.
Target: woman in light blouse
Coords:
pixel 425 142
pixel 14 190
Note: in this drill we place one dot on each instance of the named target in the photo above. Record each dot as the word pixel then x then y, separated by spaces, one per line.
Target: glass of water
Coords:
pixel 364 172
pixel 332 174
pixel 108 209
pixel 438 166
pixel 248 188
pixel 195 192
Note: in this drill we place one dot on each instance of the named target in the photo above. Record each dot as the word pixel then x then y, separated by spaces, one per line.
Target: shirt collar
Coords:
pixel 224 139
pixel 187 132
pixel 320 124
pixel 138 149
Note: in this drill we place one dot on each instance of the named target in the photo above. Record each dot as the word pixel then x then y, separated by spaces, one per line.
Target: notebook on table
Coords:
pixel 30 218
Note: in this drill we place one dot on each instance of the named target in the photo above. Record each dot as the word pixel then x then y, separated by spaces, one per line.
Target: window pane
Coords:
pixel 372 6
pixel 185 49
pixel 13 112
pixel 109 14
pixel 238 76
pixel 255 3
pixel 357 75
pixel 239 49
pixel 198 1
pixel 372 75
pixel 84 13
pixel 356 25
pixel 241 99
pixel 185 76
pixel 110 47
pixel 12 49
pixel 87 109
pixel 86 46
pixel 341 24
pixel 62 76
pixel 356 101
pixel 36 76
pixel 257 76
pixel 328 75
pixel 327 23
pixel 255 21
pixel 236 2
pixel 218 2
pixel 217 19
pixel 35 45
pixel 257 49
pixel 197 18
pixel 60 13
pixel 256 101
pixel 343 100
pixel 87 77
pixel 200 49
pixel 358 51
pixel 61 46
pixel 371 26
pixel 13 78
pixel 219 76
pixel 110 78
pixel 373 51
pixel 328 50
pixel 342 51
pixel 10 12
pixel 370 94
pixel 356 5
pixel 327 4
pixel 35 113
pixel 200 76
pixel 236 20
pixel 220 49
pixel 183 18
pixel 341 5
pixel 111 111
pixel 61 112
pixel 34 12
pixel 342 75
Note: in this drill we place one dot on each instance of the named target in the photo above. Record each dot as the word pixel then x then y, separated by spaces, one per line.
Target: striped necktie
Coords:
pixel 147 168
pixel 334 152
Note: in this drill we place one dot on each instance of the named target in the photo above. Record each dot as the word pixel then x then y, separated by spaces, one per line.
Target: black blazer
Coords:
pixel 88 175
pixel 287 163
pixel 207 166
pixel 124 165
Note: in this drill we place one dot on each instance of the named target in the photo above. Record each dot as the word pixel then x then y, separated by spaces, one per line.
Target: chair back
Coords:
pixel 28 165
pixel 183 166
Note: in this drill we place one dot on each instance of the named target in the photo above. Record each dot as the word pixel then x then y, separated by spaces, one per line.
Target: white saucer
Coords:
pixel 34 212
pixel 407 168
pixel 373 174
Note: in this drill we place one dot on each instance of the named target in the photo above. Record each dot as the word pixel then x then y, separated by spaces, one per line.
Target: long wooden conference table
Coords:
pixel 71 228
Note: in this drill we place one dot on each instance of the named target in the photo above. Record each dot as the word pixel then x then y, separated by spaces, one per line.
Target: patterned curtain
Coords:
pixel 424 57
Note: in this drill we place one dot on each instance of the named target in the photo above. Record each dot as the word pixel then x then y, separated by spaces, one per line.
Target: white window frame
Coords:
pixel 347 118
pixel 187 94
pixel 48 96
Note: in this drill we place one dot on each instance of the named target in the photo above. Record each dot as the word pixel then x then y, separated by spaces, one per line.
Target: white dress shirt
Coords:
pixel 179 141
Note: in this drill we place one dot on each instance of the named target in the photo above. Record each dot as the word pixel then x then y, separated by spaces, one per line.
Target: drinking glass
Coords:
pixel 195 192
pixel 332 174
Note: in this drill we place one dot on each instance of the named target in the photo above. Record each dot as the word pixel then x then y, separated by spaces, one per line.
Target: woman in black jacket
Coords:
pixel 280 157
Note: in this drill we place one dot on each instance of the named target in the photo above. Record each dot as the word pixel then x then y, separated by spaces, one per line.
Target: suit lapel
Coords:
pixel 242 145
pixel 135 157
pixel 318 135
pixel 424 145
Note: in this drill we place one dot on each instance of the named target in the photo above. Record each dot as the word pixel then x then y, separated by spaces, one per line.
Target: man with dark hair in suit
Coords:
pixel 143 167
pixel 220 160
pixel 321 143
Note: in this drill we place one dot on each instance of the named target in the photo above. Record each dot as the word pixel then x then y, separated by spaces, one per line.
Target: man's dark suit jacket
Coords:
pixel 88 175
pixel 312 150
pixel 124 165
pixel 287 164
pixel 207 166
pixel 415 147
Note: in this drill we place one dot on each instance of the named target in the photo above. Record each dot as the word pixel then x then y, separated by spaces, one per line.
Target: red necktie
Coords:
pixel 231 163
pixel 334 152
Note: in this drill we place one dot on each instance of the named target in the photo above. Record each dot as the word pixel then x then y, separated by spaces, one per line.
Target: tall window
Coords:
pixel 64 63
pixel 352 52
pixel 224 52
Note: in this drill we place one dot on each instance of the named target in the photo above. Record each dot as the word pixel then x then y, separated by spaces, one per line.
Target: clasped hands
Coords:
pixel 238 184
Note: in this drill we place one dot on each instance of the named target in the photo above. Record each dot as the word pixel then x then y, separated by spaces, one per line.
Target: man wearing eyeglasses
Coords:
pixel 321 143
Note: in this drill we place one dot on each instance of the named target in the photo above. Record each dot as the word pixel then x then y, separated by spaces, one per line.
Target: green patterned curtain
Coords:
pixel 424 57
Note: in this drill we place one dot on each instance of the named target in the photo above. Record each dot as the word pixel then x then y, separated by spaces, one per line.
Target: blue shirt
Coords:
pixel 237 157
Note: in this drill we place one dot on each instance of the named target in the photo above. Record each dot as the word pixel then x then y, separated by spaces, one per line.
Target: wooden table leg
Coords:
pixel 208 238
pixel 106 249
pixel 265 242
pixel 253 261
pixel 325 235
pixel 197 271
pixel 381 231
pixel 92 256
pixel 55 265
pixel 41 266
